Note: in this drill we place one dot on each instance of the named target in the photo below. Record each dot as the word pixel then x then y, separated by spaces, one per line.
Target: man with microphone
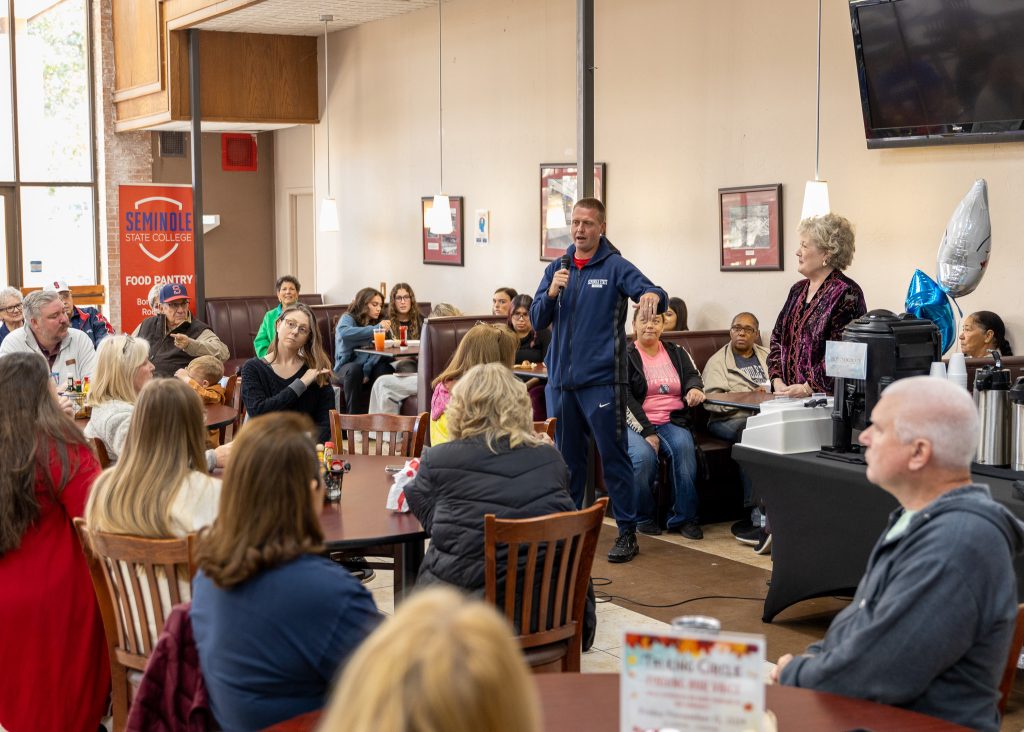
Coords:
pixel 584 298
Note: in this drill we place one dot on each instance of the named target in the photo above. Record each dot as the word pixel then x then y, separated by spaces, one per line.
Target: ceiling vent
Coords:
pixel 238 152
pixel 172 144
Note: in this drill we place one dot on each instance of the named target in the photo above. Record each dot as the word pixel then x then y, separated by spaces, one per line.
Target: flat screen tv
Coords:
pixel 936 72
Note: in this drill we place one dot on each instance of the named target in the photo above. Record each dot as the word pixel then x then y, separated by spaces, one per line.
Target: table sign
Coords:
pixel 846 359
pixel 692 680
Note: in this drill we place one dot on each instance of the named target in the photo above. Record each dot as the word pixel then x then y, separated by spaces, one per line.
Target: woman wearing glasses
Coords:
pixel 533 347
pixel 404 310
pixel 295 375
pixel 122 369
pixel 12 314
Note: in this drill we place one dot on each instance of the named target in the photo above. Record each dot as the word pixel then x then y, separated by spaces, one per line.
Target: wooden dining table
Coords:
pixel 215 415
pixel 360 522
pixel 591 702
pixel 537 371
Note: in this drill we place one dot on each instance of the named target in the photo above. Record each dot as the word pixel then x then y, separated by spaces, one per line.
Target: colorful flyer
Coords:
pixel 692 681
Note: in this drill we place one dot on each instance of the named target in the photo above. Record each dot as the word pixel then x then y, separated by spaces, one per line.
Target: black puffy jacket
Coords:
pixel 461 481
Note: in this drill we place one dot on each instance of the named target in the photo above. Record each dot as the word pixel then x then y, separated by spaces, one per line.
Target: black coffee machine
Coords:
pixel 898 346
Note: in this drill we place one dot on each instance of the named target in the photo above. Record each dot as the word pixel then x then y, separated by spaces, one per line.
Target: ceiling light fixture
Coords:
pixel 816 191
pixel 328 206
pixel 439 218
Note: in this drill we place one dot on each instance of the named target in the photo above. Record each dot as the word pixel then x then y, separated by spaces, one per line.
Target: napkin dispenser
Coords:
pixel 785 426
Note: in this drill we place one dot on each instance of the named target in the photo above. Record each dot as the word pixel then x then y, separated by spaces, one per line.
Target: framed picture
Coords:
pixel 750 228
pixel 557 196
pixel 446 248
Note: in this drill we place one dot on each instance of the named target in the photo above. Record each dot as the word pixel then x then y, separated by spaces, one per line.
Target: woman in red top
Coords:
pixel 56 674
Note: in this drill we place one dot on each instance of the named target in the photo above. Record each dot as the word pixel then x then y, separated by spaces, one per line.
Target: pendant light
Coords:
pixel 328 206
pixel 816 191
pixel 439 219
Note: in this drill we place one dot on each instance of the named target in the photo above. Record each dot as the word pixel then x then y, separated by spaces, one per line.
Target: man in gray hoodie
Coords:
pixel 929 628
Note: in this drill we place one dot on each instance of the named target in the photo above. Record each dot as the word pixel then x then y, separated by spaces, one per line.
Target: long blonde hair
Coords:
pixel 166 443
pixel 442 662
pixel 117 359
pixel 483 343
pixel 491 402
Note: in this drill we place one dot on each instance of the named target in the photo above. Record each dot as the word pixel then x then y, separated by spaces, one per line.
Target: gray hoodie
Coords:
pixel 930 625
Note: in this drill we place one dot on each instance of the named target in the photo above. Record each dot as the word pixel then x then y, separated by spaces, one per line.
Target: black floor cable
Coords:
pixel 601 596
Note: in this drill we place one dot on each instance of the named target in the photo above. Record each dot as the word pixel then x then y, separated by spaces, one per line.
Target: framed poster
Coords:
pixel 750 228
pixel 557 196
pixel 443 248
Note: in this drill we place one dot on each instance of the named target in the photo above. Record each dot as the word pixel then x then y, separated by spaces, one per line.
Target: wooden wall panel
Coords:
pixel 249 76
pixel 137 48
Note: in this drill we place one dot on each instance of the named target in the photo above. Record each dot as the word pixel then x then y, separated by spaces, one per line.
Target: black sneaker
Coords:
pixel 764 544
pixel 691 530
pixel 625 548
pixel 650 528
pixel 750 537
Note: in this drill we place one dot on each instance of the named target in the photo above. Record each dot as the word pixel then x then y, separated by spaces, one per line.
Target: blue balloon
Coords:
pixel 926 299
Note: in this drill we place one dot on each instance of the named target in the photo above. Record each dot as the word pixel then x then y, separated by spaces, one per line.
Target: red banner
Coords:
pixel 157 246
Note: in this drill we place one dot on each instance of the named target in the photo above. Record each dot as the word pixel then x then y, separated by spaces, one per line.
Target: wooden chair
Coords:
pixel 550 555
pixel 233 398
pixel 546 427
pixel 1010 671
pixel 401 434
pixel 128 572
pixel 101 453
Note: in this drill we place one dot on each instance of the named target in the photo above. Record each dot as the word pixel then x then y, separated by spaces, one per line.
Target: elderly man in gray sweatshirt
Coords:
pixel 929 628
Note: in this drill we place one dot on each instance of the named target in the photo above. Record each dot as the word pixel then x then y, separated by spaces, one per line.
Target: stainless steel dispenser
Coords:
pixel 991 397
pixel 1016 398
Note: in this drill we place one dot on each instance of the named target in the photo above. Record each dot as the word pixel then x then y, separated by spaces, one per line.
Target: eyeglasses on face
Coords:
pixel 402 298
pixel 177 305
pixel 296 326
pixel 12 309
pixel 743 329
pixel 520 315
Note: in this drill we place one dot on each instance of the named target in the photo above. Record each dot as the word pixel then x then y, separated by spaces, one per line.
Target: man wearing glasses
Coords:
pixel 174 336
pixel 88 320
pixel 12 313
pixel 68 352
pixel 740 366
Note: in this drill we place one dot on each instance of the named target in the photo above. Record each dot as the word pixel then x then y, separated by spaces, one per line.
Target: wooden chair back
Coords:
pixel 101 453
pixel 233 398
pixel 546 427
pixel 546 562
pixel 1013 657
pixel 136 585
pixel 394 434
pixel 83 294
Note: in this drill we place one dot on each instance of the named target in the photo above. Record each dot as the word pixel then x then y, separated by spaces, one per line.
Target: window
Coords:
pixel 46 157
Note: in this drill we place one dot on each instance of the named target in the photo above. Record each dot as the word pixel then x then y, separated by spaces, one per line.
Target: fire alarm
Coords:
pixel 238 152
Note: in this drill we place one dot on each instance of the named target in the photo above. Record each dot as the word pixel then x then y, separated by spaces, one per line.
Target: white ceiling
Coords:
pixel 302 17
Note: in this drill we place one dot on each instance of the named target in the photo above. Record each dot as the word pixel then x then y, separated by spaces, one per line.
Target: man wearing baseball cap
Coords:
pixel 88 320
pixel 174 336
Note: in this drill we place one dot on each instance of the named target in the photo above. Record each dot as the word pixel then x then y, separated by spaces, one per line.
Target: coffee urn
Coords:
pixel 1016 396
pixel 991 397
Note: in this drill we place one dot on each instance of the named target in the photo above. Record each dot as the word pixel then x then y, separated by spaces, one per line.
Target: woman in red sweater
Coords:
pixel 56 674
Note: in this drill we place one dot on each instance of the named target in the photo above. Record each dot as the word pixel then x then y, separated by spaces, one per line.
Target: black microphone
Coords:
pixel 565 266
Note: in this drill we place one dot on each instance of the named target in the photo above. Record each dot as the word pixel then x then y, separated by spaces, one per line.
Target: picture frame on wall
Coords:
pixel 750 228
pixel 448 248
pixel 557 196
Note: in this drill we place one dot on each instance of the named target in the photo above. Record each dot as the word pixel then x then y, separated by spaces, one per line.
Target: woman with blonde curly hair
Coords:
pixel 494 463
pixel 817 309
pixel 273 619
pixel 443 662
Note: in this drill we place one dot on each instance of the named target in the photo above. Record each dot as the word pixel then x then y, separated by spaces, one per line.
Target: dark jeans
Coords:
pixel 357 394
pixel 731 430
pixel 681 456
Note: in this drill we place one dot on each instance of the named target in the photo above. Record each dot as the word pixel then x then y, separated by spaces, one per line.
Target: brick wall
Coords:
pixel 121 158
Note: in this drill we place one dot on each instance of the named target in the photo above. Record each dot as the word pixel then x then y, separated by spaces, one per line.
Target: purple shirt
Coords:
pixel 797 353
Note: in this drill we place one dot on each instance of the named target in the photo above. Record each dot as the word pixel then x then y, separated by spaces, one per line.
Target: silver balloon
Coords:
pixel 966 243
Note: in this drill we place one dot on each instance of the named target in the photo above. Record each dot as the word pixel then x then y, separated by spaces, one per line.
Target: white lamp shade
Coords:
pixel 815 199
pixel 439 218
pixel 328 215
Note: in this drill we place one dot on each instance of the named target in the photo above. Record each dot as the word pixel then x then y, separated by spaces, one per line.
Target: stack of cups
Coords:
pixel 957 370
pixel 938 370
